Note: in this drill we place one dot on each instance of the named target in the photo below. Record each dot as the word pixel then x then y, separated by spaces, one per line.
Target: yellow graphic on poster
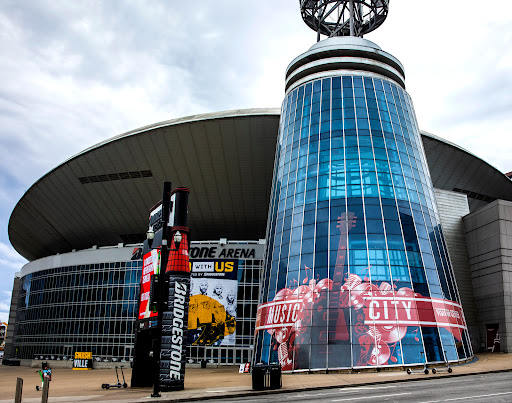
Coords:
pixel 212 305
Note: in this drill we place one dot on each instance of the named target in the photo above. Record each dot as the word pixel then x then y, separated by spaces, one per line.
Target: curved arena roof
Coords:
pixel 102 195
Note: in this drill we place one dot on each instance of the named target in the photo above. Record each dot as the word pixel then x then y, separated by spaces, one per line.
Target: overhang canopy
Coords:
pixel 102 195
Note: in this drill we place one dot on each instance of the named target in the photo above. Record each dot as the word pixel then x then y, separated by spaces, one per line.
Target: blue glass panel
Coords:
pixel 349 123
pixel 370 190
pixel 369 178
pixel 363 124
pixel 376 241
pixel 354 190
pixel 322 229
pixel 360 102
pixel 307 247
pixel 358 257
pixel 374 227
pixel 432 344
pixel 397 257
pixel 338 191
pixel 380 273
pixel 321 260
pixel 357 241
pixel 400 273
pixel 349 113
pixel 348 103
pixel 306 258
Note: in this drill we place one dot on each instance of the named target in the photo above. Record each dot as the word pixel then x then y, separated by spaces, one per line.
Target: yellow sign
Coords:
pixel 83 360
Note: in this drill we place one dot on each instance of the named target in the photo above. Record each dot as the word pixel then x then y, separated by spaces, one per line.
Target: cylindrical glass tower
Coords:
pixel 357 271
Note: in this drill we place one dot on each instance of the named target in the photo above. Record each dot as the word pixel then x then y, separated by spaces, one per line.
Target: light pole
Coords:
pixel 164 253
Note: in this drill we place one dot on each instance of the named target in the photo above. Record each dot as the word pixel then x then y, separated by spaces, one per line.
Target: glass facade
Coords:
pixel 356 269
pixel 89 307
pixel 93 307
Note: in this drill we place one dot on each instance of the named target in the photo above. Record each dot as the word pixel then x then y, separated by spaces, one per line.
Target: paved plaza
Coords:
pixel 225 381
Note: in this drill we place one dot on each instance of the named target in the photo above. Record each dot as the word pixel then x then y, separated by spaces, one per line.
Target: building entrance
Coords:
pixel 493 338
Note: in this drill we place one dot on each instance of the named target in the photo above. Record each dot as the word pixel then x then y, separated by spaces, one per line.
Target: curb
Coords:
pixel 312 388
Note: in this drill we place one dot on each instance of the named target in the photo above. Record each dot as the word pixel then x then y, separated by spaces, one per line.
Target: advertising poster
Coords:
pixel 213 299
pixel 150 265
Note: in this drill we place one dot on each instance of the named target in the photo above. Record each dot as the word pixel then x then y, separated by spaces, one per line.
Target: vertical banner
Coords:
pixel 174 334
pixel 213 301
pixel 150 266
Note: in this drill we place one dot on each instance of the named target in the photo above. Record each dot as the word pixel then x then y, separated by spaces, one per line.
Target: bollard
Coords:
pixel 19 390
pixel 46 385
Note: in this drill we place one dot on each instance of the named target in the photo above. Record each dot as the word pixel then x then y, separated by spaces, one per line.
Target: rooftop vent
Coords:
pixel 115 176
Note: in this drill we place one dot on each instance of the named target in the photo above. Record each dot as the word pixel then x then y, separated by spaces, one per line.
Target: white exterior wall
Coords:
pixel 87 256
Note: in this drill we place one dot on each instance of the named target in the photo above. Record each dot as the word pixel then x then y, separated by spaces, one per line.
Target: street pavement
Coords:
pixel 214 383
pixel 479 388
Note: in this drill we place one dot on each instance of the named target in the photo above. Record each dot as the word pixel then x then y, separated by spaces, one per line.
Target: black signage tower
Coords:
pixel 160 341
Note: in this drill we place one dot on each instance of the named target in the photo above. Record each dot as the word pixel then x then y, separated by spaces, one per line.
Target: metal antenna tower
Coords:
pixel 343 17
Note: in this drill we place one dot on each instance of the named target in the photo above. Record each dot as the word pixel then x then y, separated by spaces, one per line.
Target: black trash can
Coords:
pixel 203 363
pixel 259 376
pixel 275 376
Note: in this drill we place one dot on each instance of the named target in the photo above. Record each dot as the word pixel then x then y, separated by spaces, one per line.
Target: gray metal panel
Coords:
pixel 452 207
pixel 9 350
pixel 489 239
pixel 452 167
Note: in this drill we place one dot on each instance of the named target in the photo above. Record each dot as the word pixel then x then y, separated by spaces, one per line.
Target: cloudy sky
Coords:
pixel 73 73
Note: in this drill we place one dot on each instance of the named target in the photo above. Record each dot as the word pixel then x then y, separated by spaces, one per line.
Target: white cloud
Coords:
pixel 75 73
pixel 4 316
pixel 457 71
pixel 5 304
pixel 10 263
pixel 10 258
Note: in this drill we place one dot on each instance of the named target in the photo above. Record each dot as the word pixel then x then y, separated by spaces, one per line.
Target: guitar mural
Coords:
pixel 381 314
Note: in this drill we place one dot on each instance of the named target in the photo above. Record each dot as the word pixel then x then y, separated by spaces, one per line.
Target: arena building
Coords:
pixel 358 241
pixel 81 226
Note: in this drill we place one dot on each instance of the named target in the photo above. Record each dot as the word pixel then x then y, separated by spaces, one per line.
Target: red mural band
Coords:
pixel 381 314
pixel 386 315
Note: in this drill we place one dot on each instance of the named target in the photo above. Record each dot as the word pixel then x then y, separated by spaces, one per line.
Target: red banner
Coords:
pixel 415 311
pixel 150 265
pixel 384 311
pixel 386 315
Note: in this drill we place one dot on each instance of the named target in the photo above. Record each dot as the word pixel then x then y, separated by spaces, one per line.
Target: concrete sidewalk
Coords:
pixel 211 383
